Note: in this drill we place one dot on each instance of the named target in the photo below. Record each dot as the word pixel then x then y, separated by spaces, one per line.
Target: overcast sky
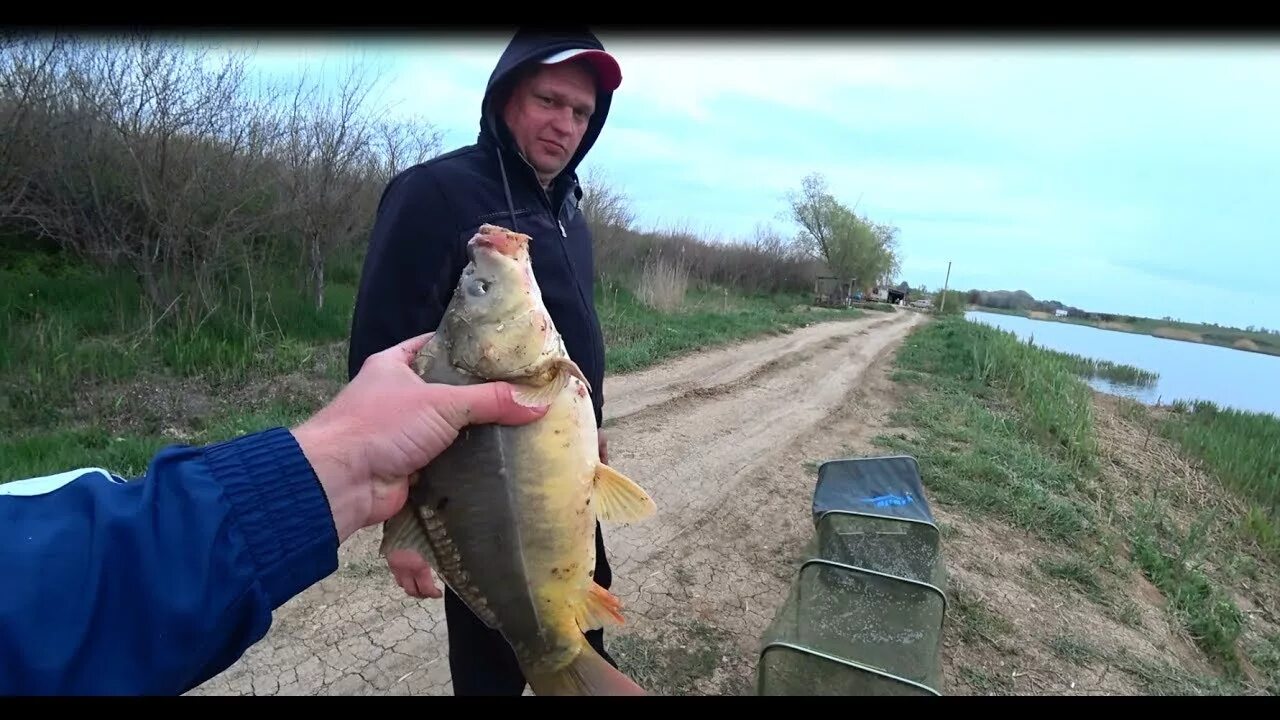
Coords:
pixel 1127 176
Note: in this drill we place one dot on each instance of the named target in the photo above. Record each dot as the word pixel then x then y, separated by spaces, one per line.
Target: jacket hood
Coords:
pixel 531 45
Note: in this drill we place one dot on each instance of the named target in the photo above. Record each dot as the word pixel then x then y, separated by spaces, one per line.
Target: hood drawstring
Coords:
pixel 506 188
pixel 502 167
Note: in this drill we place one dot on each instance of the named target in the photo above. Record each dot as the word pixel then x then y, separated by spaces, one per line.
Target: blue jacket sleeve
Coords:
pixel 410 268
pixel 155 585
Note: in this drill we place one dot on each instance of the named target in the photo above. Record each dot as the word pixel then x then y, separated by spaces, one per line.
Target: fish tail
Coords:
pixel 588 674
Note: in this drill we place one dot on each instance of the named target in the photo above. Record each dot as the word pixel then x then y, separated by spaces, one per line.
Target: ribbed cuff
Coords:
pixel 281 508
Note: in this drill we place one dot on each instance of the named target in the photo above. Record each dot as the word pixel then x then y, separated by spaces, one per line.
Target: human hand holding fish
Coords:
pixel 385 425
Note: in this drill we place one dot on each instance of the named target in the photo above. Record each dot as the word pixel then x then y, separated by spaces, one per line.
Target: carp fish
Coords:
pixel 507 514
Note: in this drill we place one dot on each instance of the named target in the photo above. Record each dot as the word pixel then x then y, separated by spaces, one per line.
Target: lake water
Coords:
pixel 1188 371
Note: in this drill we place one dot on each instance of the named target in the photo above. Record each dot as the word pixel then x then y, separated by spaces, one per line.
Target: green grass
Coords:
pixel 128 453
pixel 638 336
pixel 969 359
pixel 1174 563
pixel 67 328
pixel 1002 428
pixel 90 376
pixel 1243 450
pixel 1115 372
pixel 1006 429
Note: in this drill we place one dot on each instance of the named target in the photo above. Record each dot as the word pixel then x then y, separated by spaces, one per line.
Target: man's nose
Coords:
pixel 562 121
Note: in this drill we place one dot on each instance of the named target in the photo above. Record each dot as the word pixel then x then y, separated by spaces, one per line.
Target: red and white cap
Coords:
pixel 607 68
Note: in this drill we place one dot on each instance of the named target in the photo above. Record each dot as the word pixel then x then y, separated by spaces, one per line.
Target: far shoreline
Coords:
pixel 1198 333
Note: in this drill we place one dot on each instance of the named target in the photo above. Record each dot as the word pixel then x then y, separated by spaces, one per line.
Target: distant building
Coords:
pixel 1060 312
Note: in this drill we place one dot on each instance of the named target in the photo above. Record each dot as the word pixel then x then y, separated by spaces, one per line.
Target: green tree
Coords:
pixel 849 244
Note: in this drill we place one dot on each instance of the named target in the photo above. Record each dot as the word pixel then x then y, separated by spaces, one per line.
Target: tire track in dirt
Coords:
pixel 690 457
pixel 691 432
pixel 716 372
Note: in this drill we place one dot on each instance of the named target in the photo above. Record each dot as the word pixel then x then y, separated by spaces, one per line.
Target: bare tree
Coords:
pixel 338 151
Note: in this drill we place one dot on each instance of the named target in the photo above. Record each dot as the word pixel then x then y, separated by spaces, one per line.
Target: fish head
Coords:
pixel 493 243
pixel 497 321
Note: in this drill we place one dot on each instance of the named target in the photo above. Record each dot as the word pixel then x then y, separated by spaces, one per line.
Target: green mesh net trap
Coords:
pixel 866 610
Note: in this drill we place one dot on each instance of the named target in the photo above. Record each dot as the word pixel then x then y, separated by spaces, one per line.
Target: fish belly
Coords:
pixel 507 512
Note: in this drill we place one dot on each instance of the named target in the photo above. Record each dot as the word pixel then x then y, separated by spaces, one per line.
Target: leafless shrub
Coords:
pixel 139 152
pixel 607 210
pixel 335 162
pixel 769 262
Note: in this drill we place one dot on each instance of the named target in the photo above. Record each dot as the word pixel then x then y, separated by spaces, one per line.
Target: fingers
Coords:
pixel 425 584
pixel 413 574
pixel 405 581
pixel 419 586
pixel 418 583
pixel 488 403
pixel 405 350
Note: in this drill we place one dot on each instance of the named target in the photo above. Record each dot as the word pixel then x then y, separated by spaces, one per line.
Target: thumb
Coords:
pixel 486 403
pixel 408 348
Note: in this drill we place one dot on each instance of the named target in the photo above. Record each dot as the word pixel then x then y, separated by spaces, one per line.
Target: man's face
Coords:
pixel 548 113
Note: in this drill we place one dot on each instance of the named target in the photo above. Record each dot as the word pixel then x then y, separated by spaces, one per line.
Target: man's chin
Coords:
pixel 548 164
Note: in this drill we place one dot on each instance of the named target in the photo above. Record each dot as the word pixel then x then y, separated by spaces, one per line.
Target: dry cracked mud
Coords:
pixel 724 440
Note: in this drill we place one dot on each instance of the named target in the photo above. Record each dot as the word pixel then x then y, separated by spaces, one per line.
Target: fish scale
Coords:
pixel 504 514
pixel 445 555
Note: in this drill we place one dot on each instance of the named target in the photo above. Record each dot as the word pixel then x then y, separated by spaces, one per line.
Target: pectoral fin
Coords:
pixel 550 383
pixel 402 531
pixel 598 607
pixel 618 498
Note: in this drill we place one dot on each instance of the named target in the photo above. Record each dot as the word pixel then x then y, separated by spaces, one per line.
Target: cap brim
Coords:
pixel 607 69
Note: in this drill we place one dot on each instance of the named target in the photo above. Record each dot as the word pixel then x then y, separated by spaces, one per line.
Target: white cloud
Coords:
pixel 1033 162
pixel 688 76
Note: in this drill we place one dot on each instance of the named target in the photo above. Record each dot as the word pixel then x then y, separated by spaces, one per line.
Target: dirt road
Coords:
pixel 721 440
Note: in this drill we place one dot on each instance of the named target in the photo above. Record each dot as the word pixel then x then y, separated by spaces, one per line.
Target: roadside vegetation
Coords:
pixel 1109 495
pixel 181 243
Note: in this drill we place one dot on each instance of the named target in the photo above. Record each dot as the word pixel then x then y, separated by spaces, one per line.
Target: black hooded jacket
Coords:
pixel 429 211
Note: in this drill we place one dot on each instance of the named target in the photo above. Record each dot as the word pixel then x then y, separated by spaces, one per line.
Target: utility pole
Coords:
pixel 943 305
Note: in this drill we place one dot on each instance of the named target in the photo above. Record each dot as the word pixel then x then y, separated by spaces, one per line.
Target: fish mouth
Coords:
pixel 500 241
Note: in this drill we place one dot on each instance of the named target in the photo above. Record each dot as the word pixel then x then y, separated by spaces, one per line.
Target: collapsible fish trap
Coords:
pixel 866 611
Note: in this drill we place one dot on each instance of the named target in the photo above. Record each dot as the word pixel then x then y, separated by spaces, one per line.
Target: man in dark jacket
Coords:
pixel 543 109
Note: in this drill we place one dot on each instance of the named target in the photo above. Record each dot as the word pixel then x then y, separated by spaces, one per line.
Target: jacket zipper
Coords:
pixel 596 330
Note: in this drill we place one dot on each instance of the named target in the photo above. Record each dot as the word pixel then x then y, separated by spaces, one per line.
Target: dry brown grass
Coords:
pixel 663 283
pixel 1177 334
pixel 1136 457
